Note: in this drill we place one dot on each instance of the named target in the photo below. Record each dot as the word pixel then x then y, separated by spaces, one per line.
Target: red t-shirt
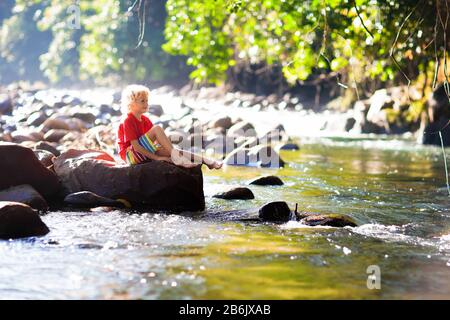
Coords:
pixel 131 129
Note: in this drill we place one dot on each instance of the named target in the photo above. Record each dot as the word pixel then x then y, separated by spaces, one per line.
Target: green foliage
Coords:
pixel 304 37
pixel 21 43
pixel 102 49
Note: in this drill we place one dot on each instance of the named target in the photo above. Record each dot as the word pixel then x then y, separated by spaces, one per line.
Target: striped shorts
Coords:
pixel 134 157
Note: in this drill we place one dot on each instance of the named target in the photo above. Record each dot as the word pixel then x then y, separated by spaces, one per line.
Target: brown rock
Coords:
pixel 17 220
pixel 154 184
pixel 19 165
pixel 55 135
pixel 239 193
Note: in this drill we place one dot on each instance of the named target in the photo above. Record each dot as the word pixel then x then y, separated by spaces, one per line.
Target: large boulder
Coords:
pixel 151 185
pixel 19 165
pixel 17 220
pixel 24 194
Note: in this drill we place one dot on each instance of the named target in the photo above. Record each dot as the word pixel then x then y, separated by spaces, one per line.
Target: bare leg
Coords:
pixel 210 163
pixel 157 133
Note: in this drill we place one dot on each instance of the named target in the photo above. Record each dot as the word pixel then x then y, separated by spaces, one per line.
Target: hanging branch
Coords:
pixel 360 18
pixel 142 23
pixel 392 50
pixel 140 6
pixel 132 7
pixel 445 164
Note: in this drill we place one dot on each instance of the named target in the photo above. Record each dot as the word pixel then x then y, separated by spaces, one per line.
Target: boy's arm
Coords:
pixel 145 152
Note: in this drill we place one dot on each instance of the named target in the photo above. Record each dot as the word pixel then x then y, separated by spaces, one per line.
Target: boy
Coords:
pixel 139 140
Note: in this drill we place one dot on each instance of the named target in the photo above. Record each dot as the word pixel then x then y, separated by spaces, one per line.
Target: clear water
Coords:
pixel 394 189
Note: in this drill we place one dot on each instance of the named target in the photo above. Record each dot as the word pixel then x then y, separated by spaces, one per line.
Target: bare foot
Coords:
pixel 188 164
pixel 182 161
pixel 212 164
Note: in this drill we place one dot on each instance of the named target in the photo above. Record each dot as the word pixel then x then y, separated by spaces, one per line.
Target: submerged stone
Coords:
pixel 87 199
pixel 332 220
pixel 267 181
pixel 239 193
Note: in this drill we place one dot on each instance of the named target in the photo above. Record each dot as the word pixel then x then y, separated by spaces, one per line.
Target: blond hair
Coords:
pixel 131 93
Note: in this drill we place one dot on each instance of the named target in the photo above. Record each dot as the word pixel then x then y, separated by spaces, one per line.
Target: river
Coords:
pixel 393 188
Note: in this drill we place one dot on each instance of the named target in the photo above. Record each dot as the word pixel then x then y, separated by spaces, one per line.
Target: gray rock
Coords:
pixel 156 110
pixel 25 194
pixel 242 128
pixel 6 104
pixel 36 118
pixel 45 157
pixel 87 117
pixel 257 156
pixel 266 156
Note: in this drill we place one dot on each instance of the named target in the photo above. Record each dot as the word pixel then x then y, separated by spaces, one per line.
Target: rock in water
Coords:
pixel 259 156
pixel 154 184
pixel 265 156
pixel 19 165
pixel 277 211
pixel 24 194
pixel 332 220
pixel 431 133
pixel 267 181
pixel 289 146
pixel 240 193
pixel 6 104
pixel 17 220
pixel 89 199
